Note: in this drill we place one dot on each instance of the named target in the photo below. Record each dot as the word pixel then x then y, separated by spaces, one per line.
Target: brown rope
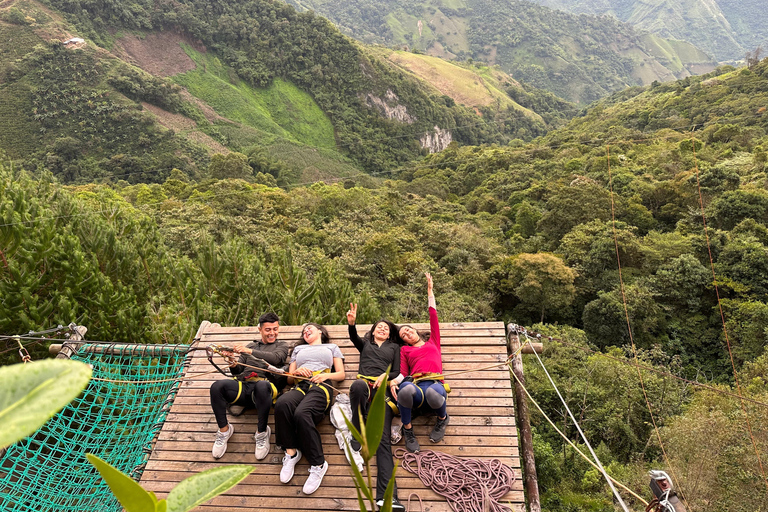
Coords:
pixel 469 485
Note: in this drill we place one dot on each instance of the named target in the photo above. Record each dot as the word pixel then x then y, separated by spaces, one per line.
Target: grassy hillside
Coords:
pixel 473 86
pixel 279 109
pixel 580 58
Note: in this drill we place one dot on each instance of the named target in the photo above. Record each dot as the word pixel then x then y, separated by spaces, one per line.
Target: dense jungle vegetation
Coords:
pixel 522 232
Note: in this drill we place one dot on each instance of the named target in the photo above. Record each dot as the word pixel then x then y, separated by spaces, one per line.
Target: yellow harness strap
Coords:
pixel 311 384
pixel 371 380
pixel 255 379
pixel 239 390
pixel 432 376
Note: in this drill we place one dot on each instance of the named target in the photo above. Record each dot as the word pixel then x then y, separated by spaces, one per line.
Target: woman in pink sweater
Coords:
pixel 419 385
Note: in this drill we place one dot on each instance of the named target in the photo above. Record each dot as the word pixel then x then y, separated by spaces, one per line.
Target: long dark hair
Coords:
pixel 423 335
pixel 324 337
pixel 393 332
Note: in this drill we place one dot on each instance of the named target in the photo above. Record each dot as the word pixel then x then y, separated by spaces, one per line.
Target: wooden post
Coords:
pixel 524 424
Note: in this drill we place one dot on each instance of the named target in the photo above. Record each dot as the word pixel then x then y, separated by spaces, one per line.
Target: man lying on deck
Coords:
pixel 250 387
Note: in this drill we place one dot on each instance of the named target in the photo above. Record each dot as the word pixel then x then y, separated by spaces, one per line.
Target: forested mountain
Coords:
pixel 727 29
pixel 521 232
pixel 117 213
pixel 580 58
pixel 173 84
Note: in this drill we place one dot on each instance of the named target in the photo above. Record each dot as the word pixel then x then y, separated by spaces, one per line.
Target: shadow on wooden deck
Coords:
pixel 480 404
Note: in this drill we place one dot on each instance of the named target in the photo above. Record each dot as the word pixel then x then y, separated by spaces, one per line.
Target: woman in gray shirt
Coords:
pixel 298 411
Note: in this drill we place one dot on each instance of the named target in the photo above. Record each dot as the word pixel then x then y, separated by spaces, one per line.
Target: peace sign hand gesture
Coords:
pixel 352 314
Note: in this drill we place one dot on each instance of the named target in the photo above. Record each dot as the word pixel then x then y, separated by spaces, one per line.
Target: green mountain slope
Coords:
pixel 258 77
pixel 726 29
pixel 580 58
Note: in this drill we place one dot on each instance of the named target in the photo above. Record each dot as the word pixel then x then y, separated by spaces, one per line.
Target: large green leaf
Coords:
pixel 201 487
pixel 127 491
pixel 31 393
pixel 374 427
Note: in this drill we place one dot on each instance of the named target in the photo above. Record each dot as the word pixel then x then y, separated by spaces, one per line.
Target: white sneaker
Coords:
pixel 262 443
pixel 288 464
pixel 220 445
pixel 316 474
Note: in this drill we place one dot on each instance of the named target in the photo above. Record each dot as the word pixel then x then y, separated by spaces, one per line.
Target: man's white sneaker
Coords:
pixel 262 443
pixel 316 474
pixel 288 464
pixel 220 445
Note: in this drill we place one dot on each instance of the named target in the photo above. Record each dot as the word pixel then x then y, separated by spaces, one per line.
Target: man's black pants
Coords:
pixel 252 394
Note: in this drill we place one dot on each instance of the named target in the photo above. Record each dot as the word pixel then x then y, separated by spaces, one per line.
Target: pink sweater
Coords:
pixel 426 358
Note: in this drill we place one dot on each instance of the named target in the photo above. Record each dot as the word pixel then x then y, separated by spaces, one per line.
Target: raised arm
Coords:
pixel 353 336
pixel 434 325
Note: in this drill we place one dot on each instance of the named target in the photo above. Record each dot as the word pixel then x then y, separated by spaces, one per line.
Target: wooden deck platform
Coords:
pixel 480 404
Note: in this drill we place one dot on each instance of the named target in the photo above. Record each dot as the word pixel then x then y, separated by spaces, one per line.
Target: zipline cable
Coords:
pixel 629 326
pixel 722 316
pixel 583 436
pixel 571 443
pixel 652 369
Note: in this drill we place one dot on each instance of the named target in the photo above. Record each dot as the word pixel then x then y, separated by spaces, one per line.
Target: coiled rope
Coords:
pixel 469 485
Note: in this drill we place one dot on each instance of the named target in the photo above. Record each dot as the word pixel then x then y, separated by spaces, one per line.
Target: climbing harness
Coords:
pixel 388 399
pixel 469 485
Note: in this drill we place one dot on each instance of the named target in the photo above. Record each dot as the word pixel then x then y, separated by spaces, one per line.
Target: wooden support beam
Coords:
pixel 524 424
pixel 531 347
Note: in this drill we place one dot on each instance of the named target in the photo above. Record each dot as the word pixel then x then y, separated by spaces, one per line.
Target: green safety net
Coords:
pixel 116 418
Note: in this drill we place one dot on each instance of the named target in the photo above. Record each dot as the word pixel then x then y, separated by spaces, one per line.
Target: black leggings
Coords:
pixel 359 394
pixel 252 394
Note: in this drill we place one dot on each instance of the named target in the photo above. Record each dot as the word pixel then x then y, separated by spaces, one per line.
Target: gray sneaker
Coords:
pixel 316 474
pixel 438 433
pixel 220 445
pixel 262 443
pixel 411 443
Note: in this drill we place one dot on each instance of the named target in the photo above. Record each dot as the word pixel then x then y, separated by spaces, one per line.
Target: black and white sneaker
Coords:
pixel 396 505
pixel 438 433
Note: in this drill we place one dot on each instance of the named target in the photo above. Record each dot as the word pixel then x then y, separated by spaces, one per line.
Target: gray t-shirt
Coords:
pixel 316 357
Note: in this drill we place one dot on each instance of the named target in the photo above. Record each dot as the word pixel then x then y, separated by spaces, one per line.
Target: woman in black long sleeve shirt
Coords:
pixel 378 351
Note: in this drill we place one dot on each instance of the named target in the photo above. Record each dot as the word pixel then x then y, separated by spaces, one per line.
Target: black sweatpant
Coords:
pixel 253 394
pixel 296 418
pixel 359 394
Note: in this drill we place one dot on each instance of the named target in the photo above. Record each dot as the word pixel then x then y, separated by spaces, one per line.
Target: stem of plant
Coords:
pixel 368 474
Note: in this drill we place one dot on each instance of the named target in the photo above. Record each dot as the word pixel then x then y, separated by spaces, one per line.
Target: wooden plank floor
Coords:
pixel 480 404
